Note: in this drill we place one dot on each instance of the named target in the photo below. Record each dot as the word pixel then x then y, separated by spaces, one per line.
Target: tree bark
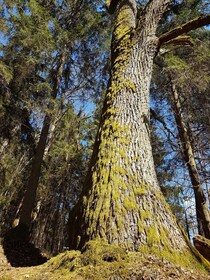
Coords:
pixel 29 198
pixel 180 30
pixel 202 211
pixel 121 201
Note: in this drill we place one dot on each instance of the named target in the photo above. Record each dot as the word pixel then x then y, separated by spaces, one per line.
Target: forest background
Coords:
pixel 54 70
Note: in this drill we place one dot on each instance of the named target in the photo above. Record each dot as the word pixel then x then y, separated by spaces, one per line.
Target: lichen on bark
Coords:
pixel 123 203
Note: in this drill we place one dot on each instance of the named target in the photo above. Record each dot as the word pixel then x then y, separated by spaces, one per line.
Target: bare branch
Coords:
pixel 191 25
pixel 161 120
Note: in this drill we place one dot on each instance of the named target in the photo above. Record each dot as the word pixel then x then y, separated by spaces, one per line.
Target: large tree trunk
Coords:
pixel 202 211
pixel 29 198
pixel 121 201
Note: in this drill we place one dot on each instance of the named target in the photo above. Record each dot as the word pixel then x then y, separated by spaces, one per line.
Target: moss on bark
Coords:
pixel 100 260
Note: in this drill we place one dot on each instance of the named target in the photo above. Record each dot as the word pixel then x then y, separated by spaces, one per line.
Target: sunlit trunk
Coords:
pixel 122 202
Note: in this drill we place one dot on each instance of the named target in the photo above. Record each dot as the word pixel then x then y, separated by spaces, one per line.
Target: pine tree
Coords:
pixel 185 90
pixel 44 67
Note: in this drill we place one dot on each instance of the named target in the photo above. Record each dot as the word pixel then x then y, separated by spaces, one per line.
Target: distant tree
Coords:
pixel 164 167
pixel 63 171
pixel 48 61
pixel 182 70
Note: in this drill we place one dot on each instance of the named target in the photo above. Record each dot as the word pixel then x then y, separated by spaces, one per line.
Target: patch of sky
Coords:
pixel 36 119
pixel 85 106
pixel 51 25
pixel 8 12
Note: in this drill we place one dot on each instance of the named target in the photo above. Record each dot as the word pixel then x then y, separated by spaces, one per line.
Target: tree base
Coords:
pixel 19 251
pixel 100 260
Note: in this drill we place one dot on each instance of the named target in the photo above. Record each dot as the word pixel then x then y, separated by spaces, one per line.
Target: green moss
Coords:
pixel 157 245
pixel 84 200
pixel 145 214
pixel 123 154
pixel 100 260
pixel 115 191
pixel 68 260
pixel 141 226
pixel 119 170
pixel 130 204
pixel 140 191
pixel 159 196
pixel 97 251
pixel 195 252
pixel 130 85
pixel 119 222
pixel 153 237
pixel 164 237
pixel 125 141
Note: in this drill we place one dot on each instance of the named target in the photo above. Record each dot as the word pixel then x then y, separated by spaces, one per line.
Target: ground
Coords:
pixel 109 263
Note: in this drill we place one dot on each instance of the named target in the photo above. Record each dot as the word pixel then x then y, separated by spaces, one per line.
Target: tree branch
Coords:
pixel 180 41
pixel 191 25
pixel 152 12
pixel 111 5
pixel 161 120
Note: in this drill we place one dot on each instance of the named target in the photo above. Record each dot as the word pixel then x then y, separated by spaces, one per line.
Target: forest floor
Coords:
pixel 68 266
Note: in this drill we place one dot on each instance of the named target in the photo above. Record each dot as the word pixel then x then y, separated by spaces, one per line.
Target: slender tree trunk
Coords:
pixel 121 201
pixel 29 198
pixel 187 224
pixel 28 202
pixel 202 211
pixel 4 144
pixel 205 175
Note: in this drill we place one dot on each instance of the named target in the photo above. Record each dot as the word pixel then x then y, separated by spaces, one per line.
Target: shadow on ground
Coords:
pixel 19 251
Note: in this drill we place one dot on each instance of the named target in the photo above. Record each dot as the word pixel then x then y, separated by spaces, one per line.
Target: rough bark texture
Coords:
pixel 122 202
pixel 202 211
pixel 191 25
pixel 29 198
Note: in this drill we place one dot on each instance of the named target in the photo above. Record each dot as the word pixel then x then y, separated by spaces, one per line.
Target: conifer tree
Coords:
pixel 53 62
pixel 185 89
